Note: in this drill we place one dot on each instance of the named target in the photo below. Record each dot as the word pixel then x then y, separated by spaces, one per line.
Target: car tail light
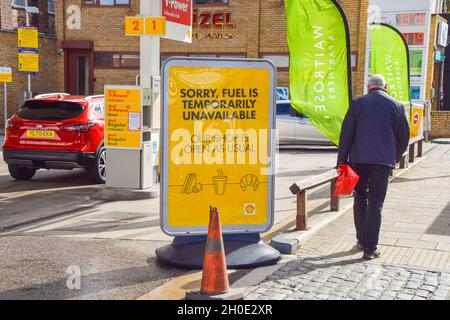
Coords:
pixel 12 125
pixel 84 127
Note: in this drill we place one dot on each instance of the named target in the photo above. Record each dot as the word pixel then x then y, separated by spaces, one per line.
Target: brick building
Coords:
pixel 93 50
pixel 12 15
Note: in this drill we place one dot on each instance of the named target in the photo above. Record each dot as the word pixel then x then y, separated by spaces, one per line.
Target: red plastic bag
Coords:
pixel 346 181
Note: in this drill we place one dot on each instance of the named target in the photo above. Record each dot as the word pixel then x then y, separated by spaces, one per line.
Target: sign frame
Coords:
pixel 164 146
pixel 118 87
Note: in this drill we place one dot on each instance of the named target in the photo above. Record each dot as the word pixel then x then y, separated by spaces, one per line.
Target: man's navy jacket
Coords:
pixel 375 131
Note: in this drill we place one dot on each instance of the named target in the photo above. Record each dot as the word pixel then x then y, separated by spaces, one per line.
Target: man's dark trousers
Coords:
pixel 370 193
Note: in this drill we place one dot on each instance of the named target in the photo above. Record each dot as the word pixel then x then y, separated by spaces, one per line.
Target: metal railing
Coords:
pixel 301 188
pixel 410 154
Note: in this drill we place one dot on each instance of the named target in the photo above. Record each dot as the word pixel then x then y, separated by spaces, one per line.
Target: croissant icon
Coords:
pixel 249 180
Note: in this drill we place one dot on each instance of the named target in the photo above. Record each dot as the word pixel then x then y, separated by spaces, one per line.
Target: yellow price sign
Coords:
pixel 416 123
pixel 28 62
pixel 28 38
pixel 155 26
pixel 134 26
pixel 123 117
pixel 5 74
pixel 217 145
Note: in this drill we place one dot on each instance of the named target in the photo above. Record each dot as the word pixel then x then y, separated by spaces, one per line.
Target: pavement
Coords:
pixel 50 224
pixel 50 228
pixel 414 245
pixel 58 203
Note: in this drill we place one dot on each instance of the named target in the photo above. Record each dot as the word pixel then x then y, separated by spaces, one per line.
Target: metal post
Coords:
pixel 150 49
pixel 334 204
pixel 150 69
pixel 428 120
pixel 302 214
pixel 5 96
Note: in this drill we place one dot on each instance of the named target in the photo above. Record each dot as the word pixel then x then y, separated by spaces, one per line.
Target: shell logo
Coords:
pixel 250 209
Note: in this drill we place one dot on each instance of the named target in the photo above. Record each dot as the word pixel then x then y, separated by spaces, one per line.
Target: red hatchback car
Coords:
pixel 57 131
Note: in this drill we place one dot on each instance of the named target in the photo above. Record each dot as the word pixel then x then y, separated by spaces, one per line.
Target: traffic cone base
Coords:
pixel 229 295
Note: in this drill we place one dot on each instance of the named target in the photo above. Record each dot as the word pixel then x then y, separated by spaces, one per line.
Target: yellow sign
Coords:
pixel 217 146
pixel 28 38
pixel 134 26
pixel 42 134
pixel 123 120
pixel 139 26
pixel 5 74
pixel 416 123
pixel 155 26
pixel 28 62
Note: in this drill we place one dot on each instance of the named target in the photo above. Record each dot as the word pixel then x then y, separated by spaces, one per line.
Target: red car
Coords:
pixel 57 131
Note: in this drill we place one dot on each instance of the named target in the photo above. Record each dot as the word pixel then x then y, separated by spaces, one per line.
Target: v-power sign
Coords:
pixel 178 15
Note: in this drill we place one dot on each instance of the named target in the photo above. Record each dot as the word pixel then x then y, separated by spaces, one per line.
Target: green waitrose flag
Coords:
pixel 320 63
pixel 389 56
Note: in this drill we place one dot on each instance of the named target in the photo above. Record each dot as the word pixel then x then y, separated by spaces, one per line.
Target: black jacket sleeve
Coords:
pixel 402 134
pixel 347 134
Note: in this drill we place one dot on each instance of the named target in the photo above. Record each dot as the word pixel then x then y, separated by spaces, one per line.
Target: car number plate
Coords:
pixel 41 134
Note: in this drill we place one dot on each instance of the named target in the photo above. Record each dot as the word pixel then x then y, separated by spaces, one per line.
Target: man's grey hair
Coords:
pixel 377 81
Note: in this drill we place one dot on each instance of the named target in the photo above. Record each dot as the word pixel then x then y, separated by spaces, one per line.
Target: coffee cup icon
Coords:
pixel 220 183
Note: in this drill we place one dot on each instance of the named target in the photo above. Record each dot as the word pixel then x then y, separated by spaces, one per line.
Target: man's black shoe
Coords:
pixel 371 256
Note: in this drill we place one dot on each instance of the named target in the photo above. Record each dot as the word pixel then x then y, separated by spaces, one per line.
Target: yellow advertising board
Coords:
pixel 416 123
pixel 123 117
pixel 217 149
pixel 28 62
pixel 28 38
pixel 5 74
pixel 134 26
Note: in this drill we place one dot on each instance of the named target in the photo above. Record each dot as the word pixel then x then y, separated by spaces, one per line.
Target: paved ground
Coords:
pixel 50 224
pixel 47 268
pixel 415 247
pixel 27 206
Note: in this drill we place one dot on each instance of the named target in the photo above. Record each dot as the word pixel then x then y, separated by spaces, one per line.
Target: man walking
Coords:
pixel 374 136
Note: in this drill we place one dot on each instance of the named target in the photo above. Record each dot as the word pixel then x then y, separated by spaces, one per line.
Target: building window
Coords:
pixel 106 3
pixel 212 2
pixel 51 6
pixel 19 3
pixel 281 61
pixel 116 60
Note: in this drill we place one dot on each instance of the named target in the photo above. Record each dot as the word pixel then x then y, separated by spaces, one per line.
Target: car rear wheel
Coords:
pixel 97 174
pixel 19 173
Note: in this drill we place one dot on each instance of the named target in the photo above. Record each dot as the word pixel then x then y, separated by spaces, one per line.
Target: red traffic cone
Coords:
pixel 215 284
